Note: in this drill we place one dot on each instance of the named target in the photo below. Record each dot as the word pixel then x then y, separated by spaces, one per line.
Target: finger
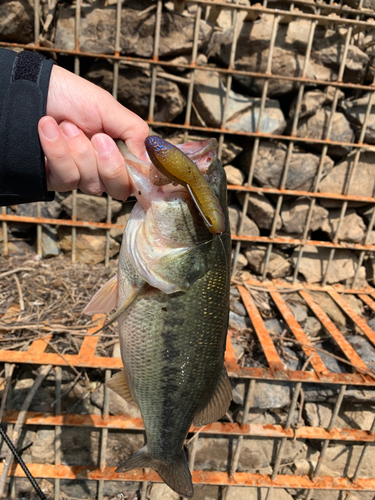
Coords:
pixel 62 172
pixel 111 167
pixel 121 123
pixel 84 157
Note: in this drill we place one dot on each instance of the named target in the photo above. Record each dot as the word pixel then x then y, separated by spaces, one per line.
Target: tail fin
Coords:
pixel 175 473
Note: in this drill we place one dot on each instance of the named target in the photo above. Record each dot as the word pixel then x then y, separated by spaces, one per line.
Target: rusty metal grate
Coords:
pixel 315 370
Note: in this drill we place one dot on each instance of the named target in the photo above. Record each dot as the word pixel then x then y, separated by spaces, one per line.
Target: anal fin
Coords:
pixel 120 386
pixel 219 403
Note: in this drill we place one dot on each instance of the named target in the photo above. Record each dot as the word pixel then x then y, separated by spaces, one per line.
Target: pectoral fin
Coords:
pixel 105 298
pixel 120 386
pixel 127 302
pixel 219 403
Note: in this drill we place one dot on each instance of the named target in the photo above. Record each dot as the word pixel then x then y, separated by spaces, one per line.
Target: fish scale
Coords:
pixel 173 307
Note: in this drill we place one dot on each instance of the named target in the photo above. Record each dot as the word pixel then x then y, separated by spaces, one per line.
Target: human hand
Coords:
pixel 77 137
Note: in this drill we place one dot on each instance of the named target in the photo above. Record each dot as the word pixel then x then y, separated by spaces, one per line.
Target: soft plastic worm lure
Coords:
pixel 175 165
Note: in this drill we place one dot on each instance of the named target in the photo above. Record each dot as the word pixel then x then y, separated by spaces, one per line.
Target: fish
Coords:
pixel 172 297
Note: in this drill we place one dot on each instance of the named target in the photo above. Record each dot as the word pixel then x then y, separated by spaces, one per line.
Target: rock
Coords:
pixel 50 242
pixel 238 322
pixel 360 281
pixel 352 228
pixel 294 216
pixel 270 164
pixel 313 100
pixel 238 349
pixel 249 228
pixel 363 347
pixel 229 149
pixel 215 453
pixel 206 492
pixel 317 415
pixel 117 404
pixel 260 209
pixel 98 30
pixel 160 491
pixel 243 493
pixel 312 327
pixel 315 128
pixel 238 308
pixel 90 245
pixel 331 363
pixel 121 218
pixel 314 263
pixel 90 208
pixel 354 303
pixel 43 449
pixel 274 325
pixel 355 110
pixel 330 307
pixel 288 54
pixel 267 395
pixel 298 312
pixel 16 21
pixel 48 209
pixel 335 181
pixel 241 261
pixel 134 87
pixel 234 175
pixel 242 112
pixel 278 266
pixel 19 247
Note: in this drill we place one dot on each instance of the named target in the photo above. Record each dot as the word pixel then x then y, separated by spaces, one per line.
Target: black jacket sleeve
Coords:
pixel 24 80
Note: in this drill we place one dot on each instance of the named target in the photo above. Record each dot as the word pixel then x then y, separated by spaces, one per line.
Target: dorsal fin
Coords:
pixel 120 386
pixel 219 403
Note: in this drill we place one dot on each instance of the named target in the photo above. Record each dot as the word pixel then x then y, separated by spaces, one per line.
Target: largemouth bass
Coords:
pixel 172 294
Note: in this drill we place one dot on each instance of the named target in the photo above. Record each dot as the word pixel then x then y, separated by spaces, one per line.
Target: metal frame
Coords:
pixel 314 370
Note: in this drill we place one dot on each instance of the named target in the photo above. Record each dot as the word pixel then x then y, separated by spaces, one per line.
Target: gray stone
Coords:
pixel 312 327
pixel 241 261
pixel 298 312
pixel 314 261
pixel 160 491
pixel 234 175
pixel 242 111
pixel 229 149
pixel 270 164
pixel 314 100
pixel 274 325
pixel 90 208
pixel 294 216
pixel 330 307
pixel 48 209
pixel 43 448
pixel 288 54
pixel 121 218
pixel 134 87
pixel 315 127
pixel 243 493
pixel 278 266
pixel 360 281
pixel 355 110
pixel 117 404
pixel 238 308
pixel 238 349
pixel 335 181
pixel 237 321
pixel 249 228
pixel 267 395
pixel 354 303
pixel 16 21
pixel 352 228
pixel 90 245
pixel 260 209
pixel 98 31
pixel 317 415
pixel 50 242
pixel 363 347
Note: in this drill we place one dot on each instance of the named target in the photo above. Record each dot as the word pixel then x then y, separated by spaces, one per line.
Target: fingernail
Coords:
pixel 102 144
pixel 69 129
pixel 50 129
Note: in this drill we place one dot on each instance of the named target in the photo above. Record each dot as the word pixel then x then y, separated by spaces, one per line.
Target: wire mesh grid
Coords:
pixel 351 20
